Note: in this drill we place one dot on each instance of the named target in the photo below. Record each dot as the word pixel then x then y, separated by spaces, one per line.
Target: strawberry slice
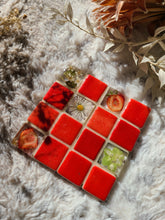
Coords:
pixel 28 139
pixel 115 102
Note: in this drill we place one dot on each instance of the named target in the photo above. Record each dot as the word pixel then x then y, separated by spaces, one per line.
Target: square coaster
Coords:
pixel 89 144
pixel 74 168
pixel 125 135
pixel 99 183
pixel 102 121
pixel 51 152
pixel 66 129
pixel 92 88
pixel 43 116
pixel 84 130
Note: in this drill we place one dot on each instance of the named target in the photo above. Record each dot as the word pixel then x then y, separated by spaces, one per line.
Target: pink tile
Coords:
pixel 89 144
pixel 58 95
pixel 43 116
pixel 92 88
pixel 51 153
pixel 74 168
pixel 66 129
pixel 99 183
pixel 102 121
pixel 136 112
pixel 125 135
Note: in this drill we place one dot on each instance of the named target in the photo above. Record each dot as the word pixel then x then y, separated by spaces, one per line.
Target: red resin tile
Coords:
pixel 58 95
pixel 92 88
pixel 102 121
pixel 136 113
pixel 74 168
pixel 89 144
pixel 125 135
pixel 66 129
pixel 99 183
pixel 51 153
pixel 43 116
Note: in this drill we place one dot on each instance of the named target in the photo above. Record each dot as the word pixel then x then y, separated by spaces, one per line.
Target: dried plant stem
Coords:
pixel 109 39
pixel 146 42
pixel 88 32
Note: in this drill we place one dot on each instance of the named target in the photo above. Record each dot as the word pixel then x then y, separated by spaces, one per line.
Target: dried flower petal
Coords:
pixel 28 139
pixel 123 13
pixel 80 108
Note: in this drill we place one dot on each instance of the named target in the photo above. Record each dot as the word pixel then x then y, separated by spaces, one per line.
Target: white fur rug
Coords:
pixel 29 64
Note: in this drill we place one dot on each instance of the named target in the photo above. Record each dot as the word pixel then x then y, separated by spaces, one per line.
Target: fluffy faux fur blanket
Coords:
pixel 30 61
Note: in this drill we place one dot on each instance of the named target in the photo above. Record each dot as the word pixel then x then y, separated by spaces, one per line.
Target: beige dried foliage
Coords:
pixel 11 23
pixel 151 66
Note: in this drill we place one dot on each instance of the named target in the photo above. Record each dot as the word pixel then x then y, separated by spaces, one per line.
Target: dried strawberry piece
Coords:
pixel 28 139
pixel 115 102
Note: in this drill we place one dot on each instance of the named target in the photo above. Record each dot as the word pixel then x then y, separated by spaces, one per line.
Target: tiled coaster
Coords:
pixel 84 130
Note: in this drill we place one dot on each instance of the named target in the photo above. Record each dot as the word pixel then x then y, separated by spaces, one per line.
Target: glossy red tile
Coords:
pixel 43 116
pixel 92 88
pixel 51 153
pixel 58 95
pixel 125 135
pixel 136 112
pixel 102 121
pixel 99 183
pixel 74 168
pixel 89 144
pixel 66 129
